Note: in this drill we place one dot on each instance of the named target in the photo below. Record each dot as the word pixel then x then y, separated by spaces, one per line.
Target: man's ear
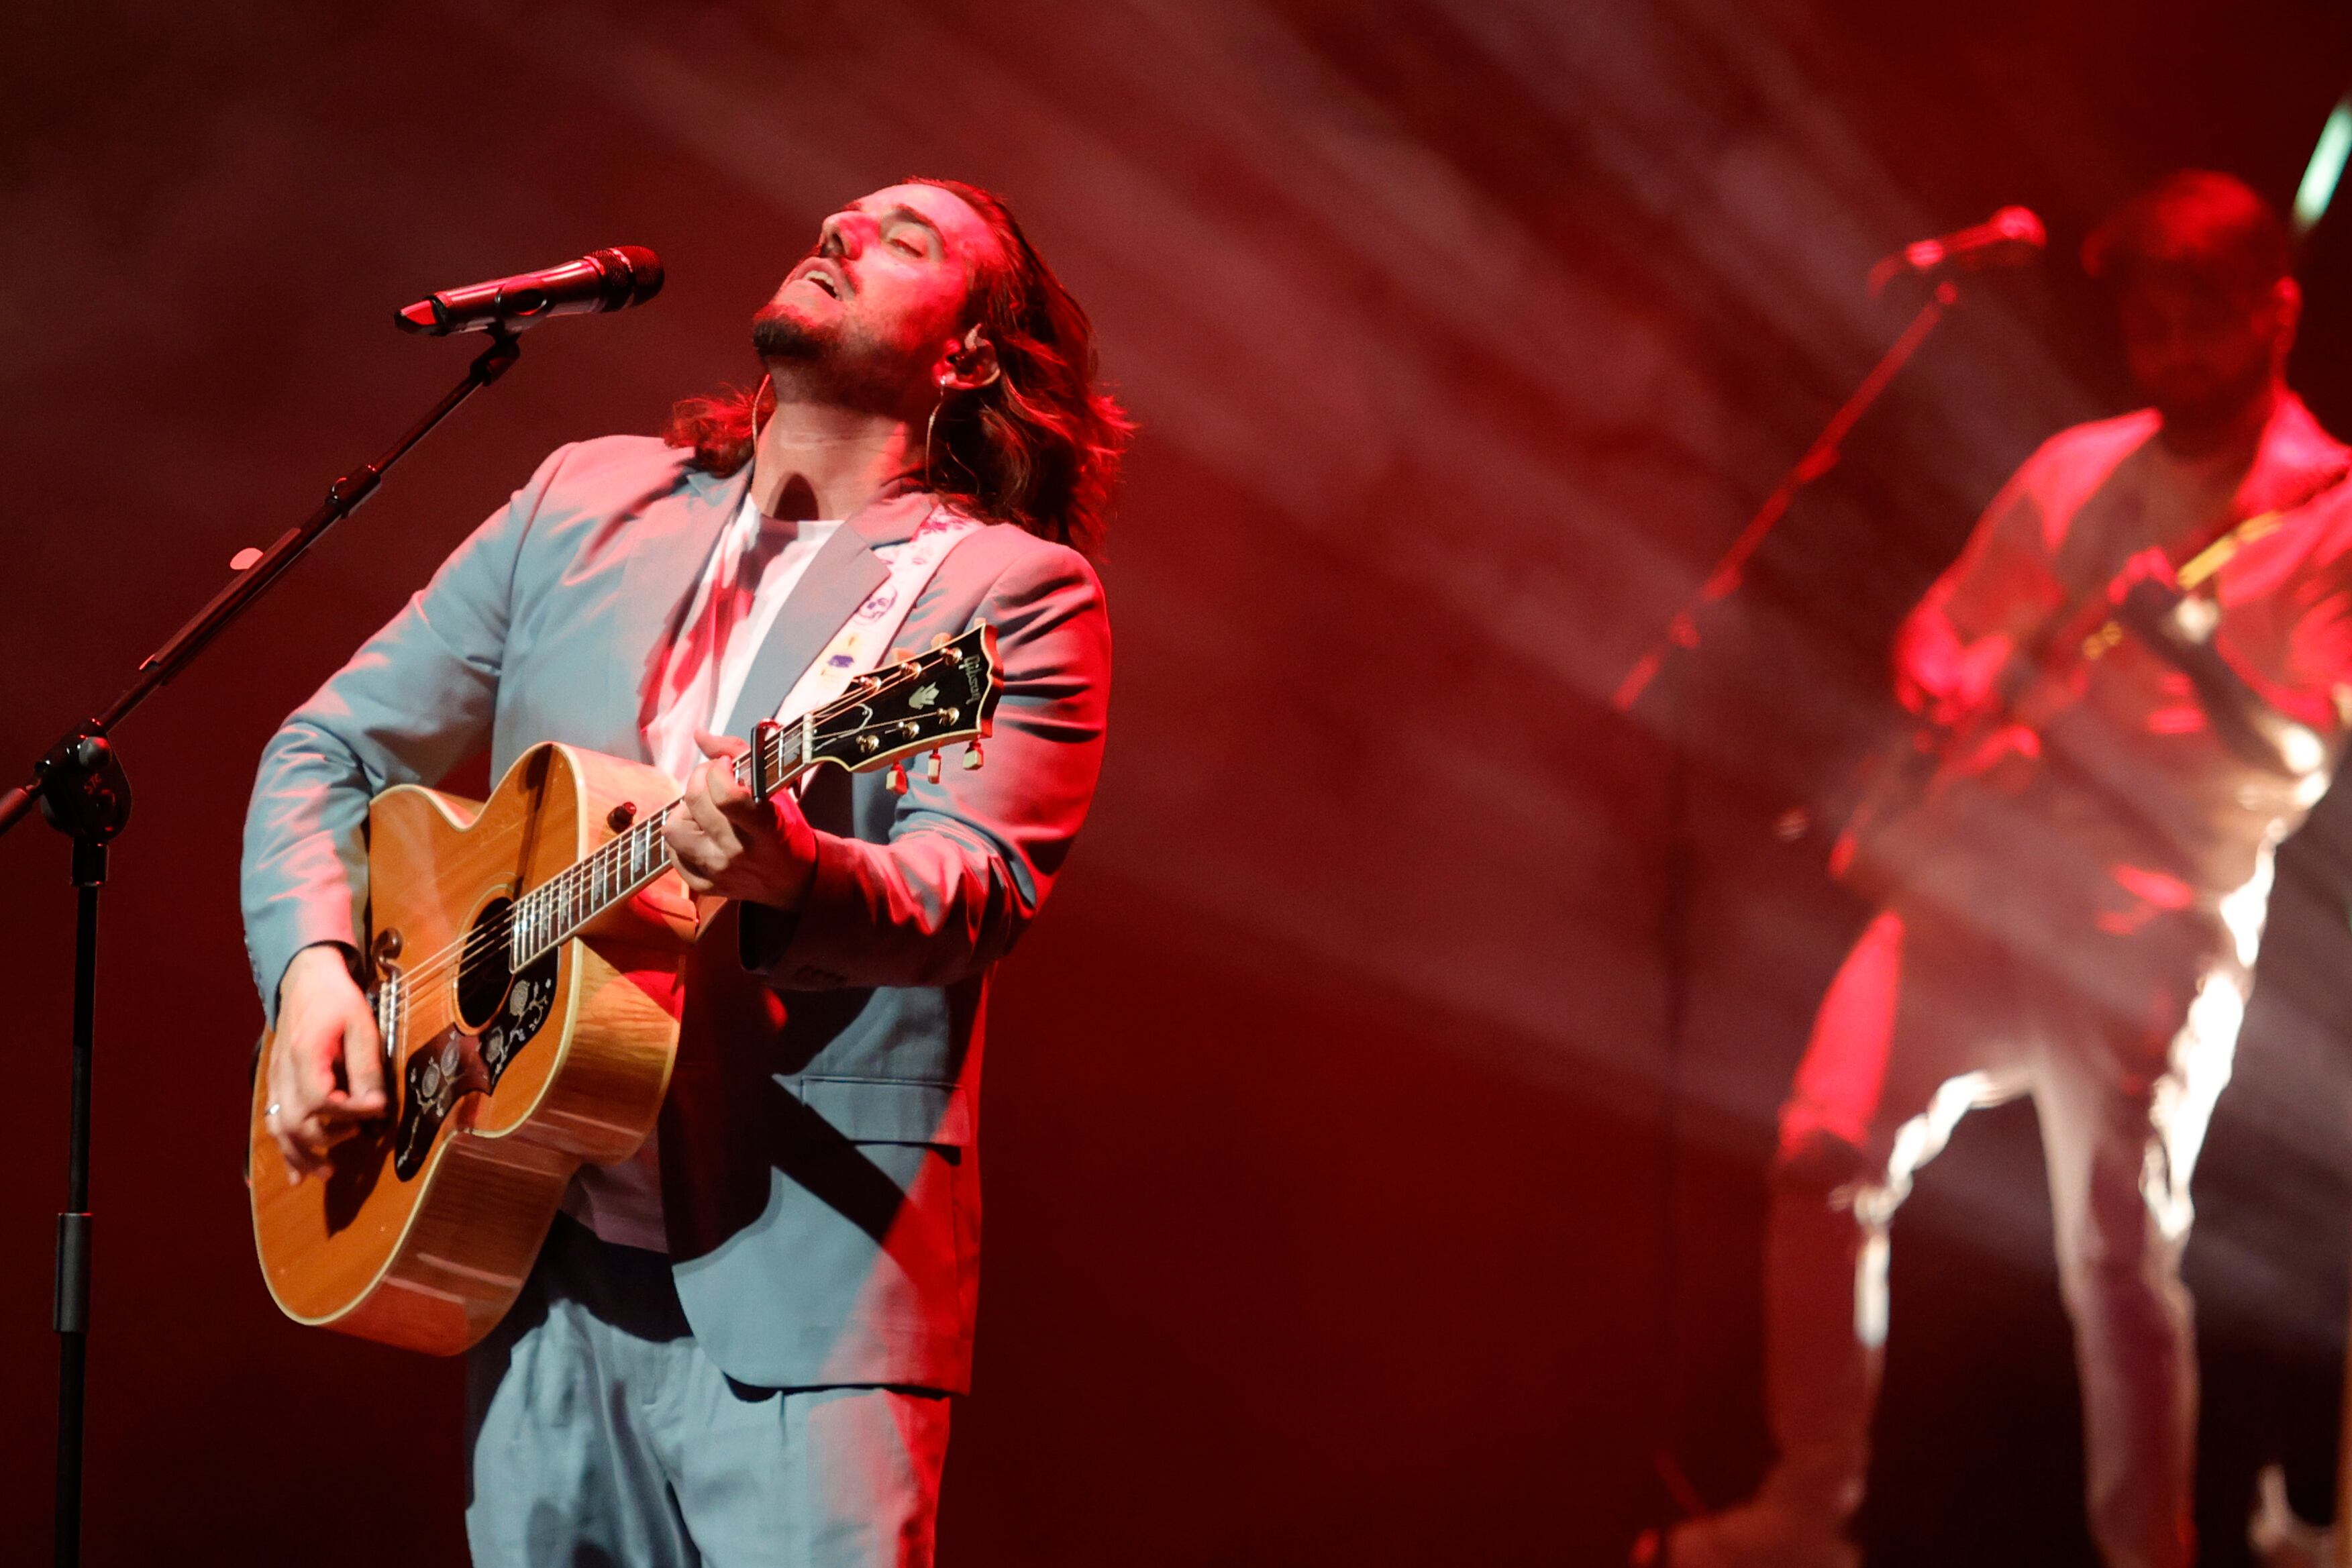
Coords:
pixel 971 366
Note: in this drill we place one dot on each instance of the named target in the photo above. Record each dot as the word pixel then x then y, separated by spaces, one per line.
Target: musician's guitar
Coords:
pixel 523 959
pixel 1866 855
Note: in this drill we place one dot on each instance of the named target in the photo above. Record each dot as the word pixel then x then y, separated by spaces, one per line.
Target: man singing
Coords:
pixel 2118 733
pixel 737 1347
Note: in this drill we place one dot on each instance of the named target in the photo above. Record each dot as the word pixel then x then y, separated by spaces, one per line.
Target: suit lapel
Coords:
pixel 843 572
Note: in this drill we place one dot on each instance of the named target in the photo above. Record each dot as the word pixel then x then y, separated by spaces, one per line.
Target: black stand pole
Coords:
pixel 81 789
pixel 70 1312
pixel 1680 867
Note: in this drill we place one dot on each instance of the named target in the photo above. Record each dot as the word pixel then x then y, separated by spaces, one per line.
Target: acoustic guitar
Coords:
pixel 523 964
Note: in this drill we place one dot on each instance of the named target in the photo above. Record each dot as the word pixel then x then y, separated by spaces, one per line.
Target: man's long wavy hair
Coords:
pixel 1040 447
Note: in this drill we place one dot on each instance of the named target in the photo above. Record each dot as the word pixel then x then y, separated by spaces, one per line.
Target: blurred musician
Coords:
pixel 2131 686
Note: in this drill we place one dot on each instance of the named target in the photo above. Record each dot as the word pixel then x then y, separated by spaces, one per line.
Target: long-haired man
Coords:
pixel 738 1347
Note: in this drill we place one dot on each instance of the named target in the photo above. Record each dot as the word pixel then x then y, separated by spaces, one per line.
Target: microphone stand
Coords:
pixel 1678 873
pixel 80 787
pixel 1818 458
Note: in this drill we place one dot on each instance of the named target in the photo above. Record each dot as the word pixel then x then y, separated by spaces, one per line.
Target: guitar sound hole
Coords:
pixel 501 1013
pixel 483 976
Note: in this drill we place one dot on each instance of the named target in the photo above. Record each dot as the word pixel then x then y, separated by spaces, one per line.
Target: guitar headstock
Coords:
pixel 932 699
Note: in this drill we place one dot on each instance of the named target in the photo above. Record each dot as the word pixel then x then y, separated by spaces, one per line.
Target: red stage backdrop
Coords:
pixel 1350 1199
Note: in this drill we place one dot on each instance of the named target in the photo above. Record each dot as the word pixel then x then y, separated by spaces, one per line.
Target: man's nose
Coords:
pixel 842 234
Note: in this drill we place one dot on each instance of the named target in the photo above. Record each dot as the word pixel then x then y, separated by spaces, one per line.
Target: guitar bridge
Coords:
pixel 390 992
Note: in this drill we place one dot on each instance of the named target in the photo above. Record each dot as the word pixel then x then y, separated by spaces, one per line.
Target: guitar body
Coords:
pixel 500 1086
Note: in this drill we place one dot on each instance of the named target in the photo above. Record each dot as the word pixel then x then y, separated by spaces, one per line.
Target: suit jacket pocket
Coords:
pixel 889 1110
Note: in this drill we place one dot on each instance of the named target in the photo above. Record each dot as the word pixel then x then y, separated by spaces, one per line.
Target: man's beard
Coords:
pixel 837 365
pixel 778 334
pixel 2203 405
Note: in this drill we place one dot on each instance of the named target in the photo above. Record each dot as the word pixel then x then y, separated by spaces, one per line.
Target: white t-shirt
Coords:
pixel 757 563
pixel 753 568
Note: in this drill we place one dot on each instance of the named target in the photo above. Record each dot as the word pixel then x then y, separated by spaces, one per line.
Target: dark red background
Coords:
pixel 1348 1199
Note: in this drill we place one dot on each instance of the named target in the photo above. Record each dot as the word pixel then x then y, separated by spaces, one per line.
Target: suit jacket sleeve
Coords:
pixel 414 701
pixel 969 860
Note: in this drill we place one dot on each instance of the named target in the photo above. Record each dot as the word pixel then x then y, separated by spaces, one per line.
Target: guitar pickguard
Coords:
pixel 455 1064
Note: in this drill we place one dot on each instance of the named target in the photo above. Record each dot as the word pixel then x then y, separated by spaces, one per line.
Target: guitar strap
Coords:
pixel 864 638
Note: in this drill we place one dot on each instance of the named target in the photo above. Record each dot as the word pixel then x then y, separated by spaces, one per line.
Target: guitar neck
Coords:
pixel 917 703
pixel 559 908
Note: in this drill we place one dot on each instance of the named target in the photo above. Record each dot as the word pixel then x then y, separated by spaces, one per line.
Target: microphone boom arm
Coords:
pixel 1682 630
pixel 63 777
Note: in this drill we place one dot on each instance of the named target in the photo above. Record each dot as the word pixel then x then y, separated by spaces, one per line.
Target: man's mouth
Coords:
pixel 824 277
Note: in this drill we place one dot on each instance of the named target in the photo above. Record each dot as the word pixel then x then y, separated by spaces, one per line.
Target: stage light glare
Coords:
pixel 2326 166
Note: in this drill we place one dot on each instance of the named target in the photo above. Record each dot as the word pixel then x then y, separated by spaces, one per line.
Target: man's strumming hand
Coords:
pixel 326 1030
pixel 729 845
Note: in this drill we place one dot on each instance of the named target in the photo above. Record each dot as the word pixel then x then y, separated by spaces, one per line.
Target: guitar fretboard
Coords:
pixel 556 909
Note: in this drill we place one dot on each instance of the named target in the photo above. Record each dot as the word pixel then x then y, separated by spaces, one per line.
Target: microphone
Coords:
pixel 2010 237
pixel 611 279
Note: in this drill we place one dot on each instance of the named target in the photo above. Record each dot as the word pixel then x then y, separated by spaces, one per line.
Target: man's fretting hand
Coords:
pixel 729 845
pixel 324 1023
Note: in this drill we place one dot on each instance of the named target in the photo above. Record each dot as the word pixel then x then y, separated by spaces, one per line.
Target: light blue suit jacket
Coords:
pixel 820 1176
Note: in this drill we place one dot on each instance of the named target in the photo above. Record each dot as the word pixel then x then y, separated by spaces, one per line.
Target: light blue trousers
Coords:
pixel 599 1434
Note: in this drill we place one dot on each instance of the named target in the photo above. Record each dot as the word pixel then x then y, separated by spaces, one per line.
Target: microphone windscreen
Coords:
pixel 645 270
pixel 2020 224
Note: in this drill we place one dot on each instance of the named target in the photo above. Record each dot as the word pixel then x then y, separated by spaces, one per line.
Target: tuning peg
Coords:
pixel 895 781
pixel 973 756
pixel 931 766
pixel 940 639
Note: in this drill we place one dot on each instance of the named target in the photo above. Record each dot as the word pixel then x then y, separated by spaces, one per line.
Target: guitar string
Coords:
pixel 576 879
pixel 480 939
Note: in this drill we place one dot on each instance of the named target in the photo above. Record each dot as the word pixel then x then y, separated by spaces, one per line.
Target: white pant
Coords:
pixel 2123 1036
